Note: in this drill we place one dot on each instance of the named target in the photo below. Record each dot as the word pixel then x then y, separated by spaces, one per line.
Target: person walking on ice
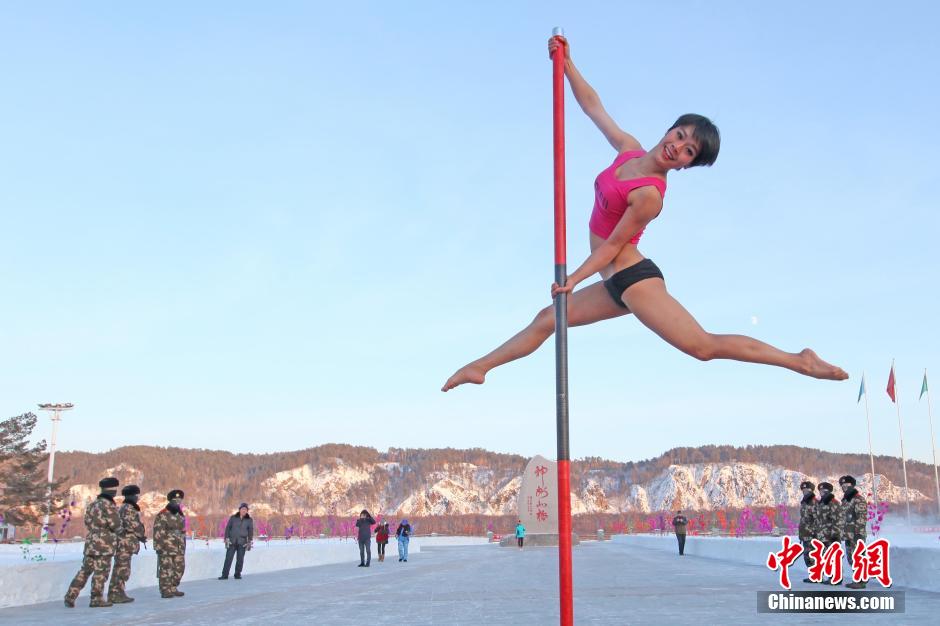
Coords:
pixel 403 533
pixel 520 534
pixel 628 196
pixel 239 536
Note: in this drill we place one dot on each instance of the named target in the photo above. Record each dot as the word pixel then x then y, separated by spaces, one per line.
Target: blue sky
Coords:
pixel 266 227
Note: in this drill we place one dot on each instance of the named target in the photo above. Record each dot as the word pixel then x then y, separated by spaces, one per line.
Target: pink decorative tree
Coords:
pixel 876 515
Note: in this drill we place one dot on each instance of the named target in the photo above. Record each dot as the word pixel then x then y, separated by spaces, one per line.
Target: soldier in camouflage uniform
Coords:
pixel 132 533
pixel 807 521
pixel 169 541
pixel 103 525
pixel 854 517
pixel 828 518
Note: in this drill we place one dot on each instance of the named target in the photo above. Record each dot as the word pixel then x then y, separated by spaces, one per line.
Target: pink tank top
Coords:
pixel 610 196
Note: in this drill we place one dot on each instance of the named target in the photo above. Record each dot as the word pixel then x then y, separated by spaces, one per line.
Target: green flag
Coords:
pixel 923 388
pixel 861 390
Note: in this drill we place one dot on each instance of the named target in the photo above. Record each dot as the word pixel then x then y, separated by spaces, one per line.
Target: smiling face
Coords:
pixel 677 149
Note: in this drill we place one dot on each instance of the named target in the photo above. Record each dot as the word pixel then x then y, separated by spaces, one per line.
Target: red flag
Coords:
pixel 891 384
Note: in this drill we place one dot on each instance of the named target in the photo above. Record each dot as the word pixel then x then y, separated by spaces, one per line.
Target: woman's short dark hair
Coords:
pixel 709 139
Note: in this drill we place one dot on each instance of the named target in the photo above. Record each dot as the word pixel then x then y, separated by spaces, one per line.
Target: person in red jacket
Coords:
pixel 381 539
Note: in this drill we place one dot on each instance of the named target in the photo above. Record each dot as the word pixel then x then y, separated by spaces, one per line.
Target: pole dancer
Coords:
pixel 629 195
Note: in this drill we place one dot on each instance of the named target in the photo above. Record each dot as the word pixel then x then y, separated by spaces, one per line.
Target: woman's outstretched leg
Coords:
pixel 661 313
pixel 585 306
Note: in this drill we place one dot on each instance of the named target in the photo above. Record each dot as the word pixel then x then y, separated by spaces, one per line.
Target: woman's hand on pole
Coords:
pixel 554 42
pixel 568 288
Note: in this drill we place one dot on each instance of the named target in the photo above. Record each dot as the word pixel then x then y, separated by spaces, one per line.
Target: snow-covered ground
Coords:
pixel 25 581
pixel 615 584
pixel 914 558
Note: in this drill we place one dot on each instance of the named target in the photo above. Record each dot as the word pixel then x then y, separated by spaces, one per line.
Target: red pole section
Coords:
pixel 566 598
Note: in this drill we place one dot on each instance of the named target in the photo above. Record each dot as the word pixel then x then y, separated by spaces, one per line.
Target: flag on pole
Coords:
pixel 923 388
pixel 890 389
pixel 861 390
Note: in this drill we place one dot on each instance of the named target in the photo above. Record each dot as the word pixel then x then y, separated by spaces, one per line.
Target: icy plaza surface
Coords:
pixel 614 583
pixel 914 557
pixel 28 582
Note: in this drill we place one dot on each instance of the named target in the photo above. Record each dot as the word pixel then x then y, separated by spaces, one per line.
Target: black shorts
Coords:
pixel 626 278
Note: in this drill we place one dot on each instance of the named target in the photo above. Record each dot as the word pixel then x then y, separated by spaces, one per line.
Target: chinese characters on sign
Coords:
pixel 867 562
pixel 541 494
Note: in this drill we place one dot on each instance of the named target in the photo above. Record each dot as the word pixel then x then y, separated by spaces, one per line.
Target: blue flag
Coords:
pixel 861 390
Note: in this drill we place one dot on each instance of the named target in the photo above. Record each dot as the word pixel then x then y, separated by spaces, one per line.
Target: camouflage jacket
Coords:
pixel 103 524
pixel 828 519
pixel 169 533
pixel 132 531
pixel 854 516
pixel 807 518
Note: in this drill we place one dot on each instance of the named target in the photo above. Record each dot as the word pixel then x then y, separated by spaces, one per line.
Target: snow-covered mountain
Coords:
pixel 343 488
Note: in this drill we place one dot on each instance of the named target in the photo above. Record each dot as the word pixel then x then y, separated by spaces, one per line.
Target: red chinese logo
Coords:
pixel 867 562
pixel 871 561
pixel 783 559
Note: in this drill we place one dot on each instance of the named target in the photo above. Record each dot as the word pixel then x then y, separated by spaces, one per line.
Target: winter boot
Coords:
pixel 119 597
pixel 99 602
pixel 69 601
pixel 178 593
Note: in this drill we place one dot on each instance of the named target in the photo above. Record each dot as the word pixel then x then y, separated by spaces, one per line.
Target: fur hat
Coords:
pixel 807 485
pixel 130 490
pixel 825 486
pixel 176 493
pixel 847 479
pixel 243 505
pixel 109 483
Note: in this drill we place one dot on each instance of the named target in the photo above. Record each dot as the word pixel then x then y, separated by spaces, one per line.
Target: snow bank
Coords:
pixel 914 560
pixel 23 582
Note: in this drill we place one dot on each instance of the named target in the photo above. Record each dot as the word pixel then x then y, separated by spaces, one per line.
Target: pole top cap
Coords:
pixel 558 31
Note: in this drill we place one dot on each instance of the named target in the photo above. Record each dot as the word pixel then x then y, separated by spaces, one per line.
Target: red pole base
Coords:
pixel 564 543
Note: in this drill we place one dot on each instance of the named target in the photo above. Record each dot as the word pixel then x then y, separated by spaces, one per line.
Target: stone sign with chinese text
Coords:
pixel 538 497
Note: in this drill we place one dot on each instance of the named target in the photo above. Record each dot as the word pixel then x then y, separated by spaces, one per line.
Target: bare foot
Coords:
pixel 466 374
pixel 817 368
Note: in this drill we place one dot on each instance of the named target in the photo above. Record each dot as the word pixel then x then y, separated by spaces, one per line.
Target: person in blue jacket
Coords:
pixel 404 536
pixel 520 533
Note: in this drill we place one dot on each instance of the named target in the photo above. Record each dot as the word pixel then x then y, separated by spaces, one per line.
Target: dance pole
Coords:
pixel 561 340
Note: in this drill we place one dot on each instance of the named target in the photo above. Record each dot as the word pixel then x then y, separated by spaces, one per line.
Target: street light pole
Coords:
pixel 55 409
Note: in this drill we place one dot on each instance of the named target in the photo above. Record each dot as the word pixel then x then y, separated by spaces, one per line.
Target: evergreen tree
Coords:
pixel 24 492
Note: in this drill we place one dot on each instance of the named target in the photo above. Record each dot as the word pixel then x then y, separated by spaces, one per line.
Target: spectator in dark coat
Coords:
pixel 679 523
pixel 239 535
pixel 364 524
